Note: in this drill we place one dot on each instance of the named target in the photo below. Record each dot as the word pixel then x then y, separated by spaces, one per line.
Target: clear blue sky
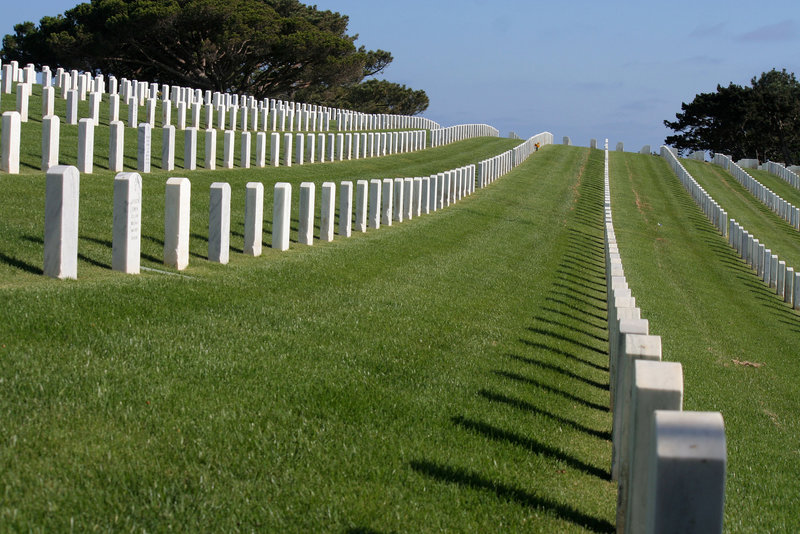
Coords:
pixel 582 69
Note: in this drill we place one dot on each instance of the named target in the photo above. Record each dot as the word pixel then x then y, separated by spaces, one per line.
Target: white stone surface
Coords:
pixel 168 148
pixel 398 200
pixel 85 146
pixel 686 473
pixel 345 208
pixel 656 386
pixel 253 218
pixel 144 147
pixel 244 150
pixel 177 205
pixel 190 149
pixel 275 149
pixel 327 211
pixel 219 222
pixel 23 99
pixel 306 223
pixel 374 203
pixel 387 194
pixel 287 149
pixel 127 225
pixel 281 215
pixel 62 194
pixel 634 347
pixel 361 205
pixel 261 149
pixel 408 198
pixel 51 134
pixel 12 130
pixel 210 154
pixel 300 148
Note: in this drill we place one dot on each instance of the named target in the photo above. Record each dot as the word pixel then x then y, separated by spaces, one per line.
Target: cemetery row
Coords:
pixel 376 202
pixel 189 103
pixel 781 171
pixel 459 132
pixel 296 148
pixel 766 196
pixel 767 266
pixel 669 464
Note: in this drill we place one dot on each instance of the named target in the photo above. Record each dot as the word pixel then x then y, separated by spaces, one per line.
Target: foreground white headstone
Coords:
pixel 61 222
pixel 219 222
pixel 10 142
pixel 374 203
pixel 211 150
pixel 306 226
pixel 345 208
pixel 361 205
pixel 176 222
pixel 656 386
pixel 281 215
pixel 686 473
pixel 253 218
pixel 327 211
pixel 387 192
pixel 127 227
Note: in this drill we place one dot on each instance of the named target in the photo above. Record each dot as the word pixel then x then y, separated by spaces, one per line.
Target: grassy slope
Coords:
pixel 710 310
pixel 448 373
pixel 774 232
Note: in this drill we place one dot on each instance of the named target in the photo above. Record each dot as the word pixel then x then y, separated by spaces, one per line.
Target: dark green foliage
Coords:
pixel 276 48
pixel 760 121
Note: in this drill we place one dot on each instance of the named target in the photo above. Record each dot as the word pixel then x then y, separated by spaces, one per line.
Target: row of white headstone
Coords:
pixel 493 168
pixel 767 266
pixel 785 210
pixel 712 210
pixel 377 202
pixel 781 171
pixel 451 134
pixel 187 101
pixel 669 464
pixel 307 147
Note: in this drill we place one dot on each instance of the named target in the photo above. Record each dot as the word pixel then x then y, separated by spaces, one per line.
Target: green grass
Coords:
pixel 447 373
pixel 711 312
pixel 776 234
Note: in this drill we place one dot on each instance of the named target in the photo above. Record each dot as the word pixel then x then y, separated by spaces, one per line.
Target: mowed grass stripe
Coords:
pixel 777 234
pixel 447 373
pixel 737 342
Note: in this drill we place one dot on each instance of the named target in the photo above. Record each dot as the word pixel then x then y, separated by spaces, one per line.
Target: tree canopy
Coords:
pixel 757 121
pixel 277 48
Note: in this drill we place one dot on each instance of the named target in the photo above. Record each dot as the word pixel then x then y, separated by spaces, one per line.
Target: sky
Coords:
pixel 581 69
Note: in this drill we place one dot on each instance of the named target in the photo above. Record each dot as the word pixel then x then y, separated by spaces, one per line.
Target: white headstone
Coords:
pixel 281 215
pixel 210 155
pixel 375 203
pixel 177 204
pixel 51 128
pixel 361 205
pixel 61 222
pixel 345 208
pixel 127 227
pixel 686 473
pixel 219 222
pixel 253 218
pixel 9 161
pixel 85 146
pixel 387 191
pixel 306 224
pixel 327 211
pixel 168 148
pixel 190 149
pixel 116 146
pixel 228 149
pixel 144 147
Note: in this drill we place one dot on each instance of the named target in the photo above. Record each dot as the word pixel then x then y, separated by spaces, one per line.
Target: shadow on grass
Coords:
pixel 471 479
pixel 574 317
pixel 573 307
pixel 561 337
pixel 20 264
pixel 603 339
pixel 530 444
pixel 560 370
pixel 535 383
pixel 528 407
pixel 542 346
